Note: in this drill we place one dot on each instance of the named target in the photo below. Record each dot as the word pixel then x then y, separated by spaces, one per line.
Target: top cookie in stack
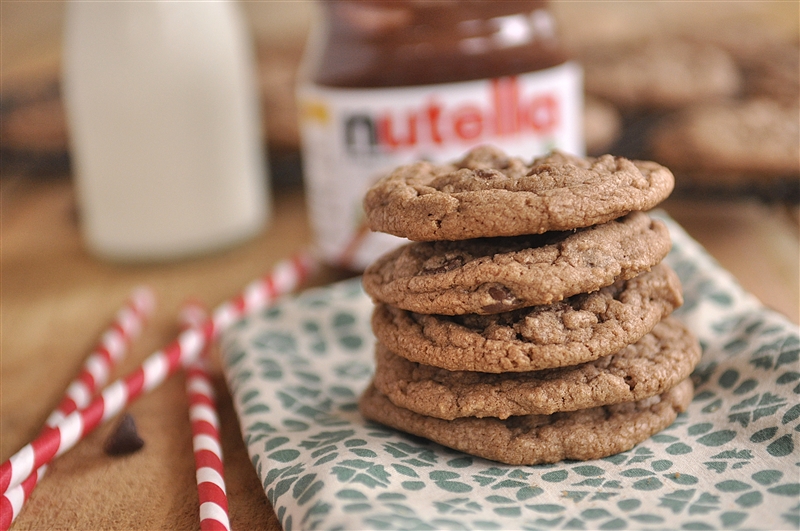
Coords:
pixel 529 321
pixel 490 194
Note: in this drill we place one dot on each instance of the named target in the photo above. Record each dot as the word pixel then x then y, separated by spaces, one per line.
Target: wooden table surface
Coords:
pixel 56 299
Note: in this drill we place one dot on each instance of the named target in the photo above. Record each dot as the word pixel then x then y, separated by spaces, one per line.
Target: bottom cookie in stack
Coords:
pixel 532 439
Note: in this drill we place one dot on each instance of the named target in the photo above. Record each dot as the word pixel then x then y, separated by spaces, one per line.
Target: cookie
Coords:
pixel 493 275
pixel 757 137
pixel 665 73
pixel 768 59
pixel 489 194
pixel 602 125
pixel 649 367
pixel 532 439
pixel 774 73
pixel 582 328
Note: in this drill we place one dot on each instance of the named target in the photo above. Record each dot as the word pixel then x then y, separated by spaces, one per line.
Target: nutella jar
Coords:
pixel 388 83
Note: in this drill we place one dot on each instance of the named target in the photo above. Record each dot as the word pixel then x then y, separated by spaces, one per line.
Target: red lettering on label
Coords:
pixel 497 99
pixel 468 122
pixel 504 110
pixel 386 134
pixel 434 111
pixel 505 96
pixel 542 114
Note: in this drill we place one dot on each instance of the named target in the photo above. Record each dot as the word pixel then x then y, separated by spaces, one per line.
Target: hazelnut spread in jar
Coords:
pixel 386 83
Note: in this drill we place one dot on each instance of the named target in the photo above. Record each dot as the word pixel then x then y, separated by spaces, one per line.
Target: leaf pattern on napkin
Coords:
pixel 296 371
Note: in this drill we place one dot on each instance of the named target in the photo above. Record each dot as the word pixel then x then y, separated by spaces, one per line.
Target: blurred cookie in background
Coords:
pixel 33 128
pixel 277 74
pixel 602 125
pixel 775 73
pixel 738 144
pixel 661 73
pixel 34 125
pixel 769 61
pixel 719 107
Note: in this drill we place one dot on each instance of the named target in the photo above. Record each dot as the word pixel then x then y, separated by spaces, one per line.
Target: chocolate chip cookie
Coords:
pixel 532 439
pixel 493 275
pixel 649 367
pixel 582 328
pixel 490 194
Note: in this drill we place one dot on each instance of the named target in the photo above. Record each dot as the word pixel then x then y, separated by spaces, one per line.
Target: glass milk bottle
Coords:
pixel 163 112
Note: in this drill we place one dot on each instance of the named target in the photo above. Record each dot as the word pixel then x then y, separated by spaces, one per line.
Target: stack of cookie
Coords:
pixel 529 320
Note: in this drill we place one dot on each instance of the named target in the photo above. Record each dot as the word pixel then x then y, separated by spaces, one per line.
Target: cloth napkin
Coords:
pixel 296 370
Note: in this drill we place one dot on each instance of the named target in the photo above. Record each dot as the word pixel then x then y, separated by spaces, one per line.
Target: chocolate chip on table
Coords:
pixel 124 439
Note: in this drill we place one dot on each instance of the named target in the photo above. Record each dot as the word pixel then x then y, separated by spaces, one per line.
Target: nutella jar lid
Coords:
pixel 420 42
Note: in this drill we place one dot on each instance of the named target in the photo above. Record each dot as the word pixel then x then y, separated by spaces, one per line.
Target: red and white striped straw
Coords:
pixel 111 348
pixel 209 472
pixel 154 370
pixel 204 418
pixel 12 501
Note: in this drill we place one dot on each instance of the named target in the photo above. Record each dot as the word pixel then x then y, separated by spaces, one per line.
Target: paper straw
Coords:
pixel 156 368
pixel 12 501
pixel 112 347
pixel 94 373
pixel 209 472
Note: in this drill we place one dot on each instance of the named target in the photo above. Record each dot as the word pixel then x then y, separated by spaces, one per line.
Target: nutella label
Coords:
pixel 351 137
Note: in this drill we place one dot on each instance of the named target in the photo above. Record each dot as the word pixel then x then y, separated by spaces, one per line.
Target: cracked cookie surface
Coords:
pixel 531 439
pixel 494 275
pixel 581 328
pixel 654 364
pixel 489 194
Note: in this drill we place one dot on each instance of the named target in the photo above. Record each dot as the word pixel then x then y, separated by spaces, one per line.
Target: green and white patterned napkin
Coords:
pixel 729 462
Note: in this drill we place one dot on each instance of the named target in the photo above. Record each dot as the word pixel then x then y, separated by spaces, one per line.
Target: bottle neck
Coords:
pixel 406 43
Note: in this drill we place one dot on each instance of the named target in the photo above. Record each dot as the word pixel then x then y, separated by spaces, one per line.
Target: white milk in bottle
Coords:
pixel 163 114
